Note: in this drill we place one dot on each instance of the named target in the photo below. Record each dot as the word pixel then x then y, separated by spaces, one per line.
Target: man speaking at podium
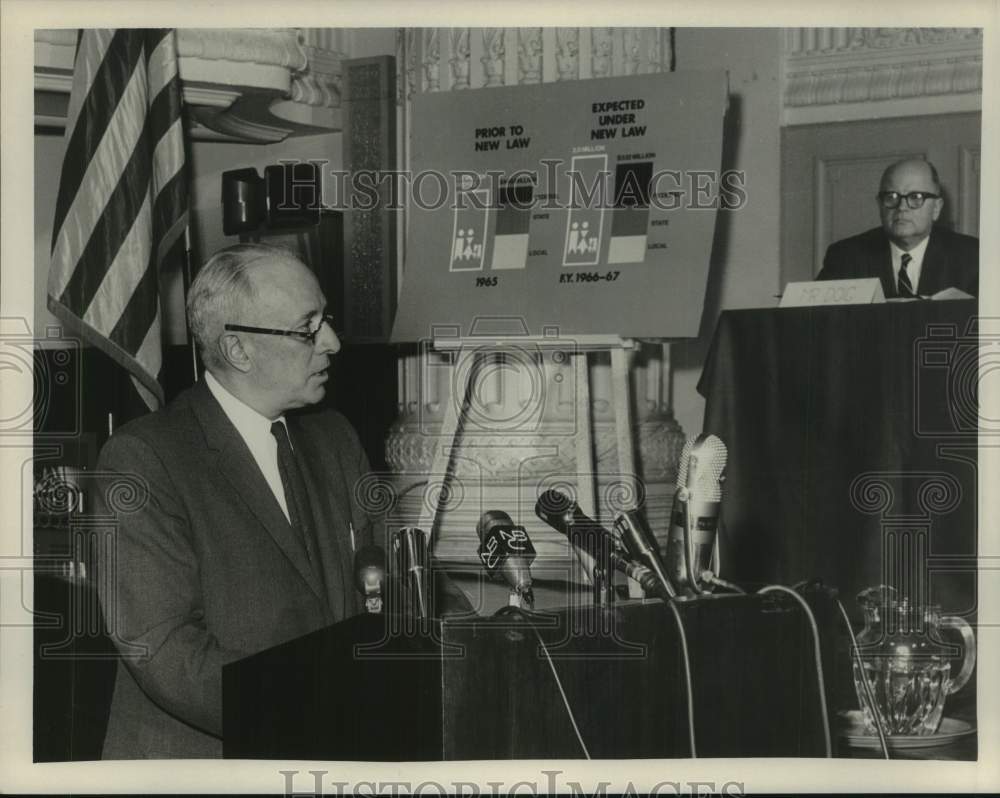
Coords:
pixel 247 535
pixel 908 253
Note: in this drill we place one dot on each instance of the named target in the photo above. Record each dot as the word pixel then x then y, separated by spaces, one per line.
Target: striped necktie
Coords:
pixel 905 286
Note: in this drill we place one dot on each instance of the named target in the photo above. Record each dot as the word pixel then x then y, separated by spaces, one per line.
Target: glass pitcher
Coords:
pixel 907 663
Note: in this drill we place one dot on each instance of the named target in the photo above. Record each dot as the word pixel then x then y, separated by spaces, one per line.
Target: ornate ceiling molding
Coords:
pixel 446 59
pixel 832 74
pixel 260 85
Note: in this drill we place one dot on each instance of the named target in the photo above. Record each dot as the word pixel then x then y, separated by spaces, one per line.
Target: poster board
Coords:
pixel 585 206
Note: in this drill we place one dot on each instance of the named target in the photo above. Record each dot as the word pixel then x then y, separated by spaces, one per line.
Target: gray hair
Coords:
pixel 221 293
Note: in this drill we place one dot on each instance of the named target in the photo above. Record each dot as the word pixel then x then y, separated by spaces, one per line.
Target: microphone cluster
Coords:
pixel 630 546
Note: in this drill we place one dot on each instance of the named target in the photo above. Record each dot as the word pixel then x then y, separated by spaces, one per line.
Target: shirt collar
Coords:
pixel 248 422
pixel 916 254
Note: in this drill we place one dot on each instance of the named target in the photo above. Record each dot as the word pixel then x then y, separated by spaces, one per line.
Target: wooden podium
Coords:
pixel 390 688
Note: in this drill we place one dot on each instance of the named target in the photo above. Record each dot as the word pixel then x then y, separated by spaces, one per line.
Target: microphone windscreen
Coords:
pixel 707 463
pixel 368 559
pixel 490 519
pixel 556 509
pixel 682 468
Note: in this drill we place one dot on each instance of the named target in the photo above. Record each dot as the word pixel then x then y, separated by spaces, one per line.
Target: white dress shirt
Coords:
pixel 913 267
pixel 255 430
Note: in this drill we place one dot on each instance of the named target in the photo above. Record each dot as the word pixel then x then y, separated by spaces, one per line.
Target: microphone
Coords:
pixel 565 516
pixel 695 516
pixel 409 547
pixel 640 544
pixel 505 548
pixel 369 576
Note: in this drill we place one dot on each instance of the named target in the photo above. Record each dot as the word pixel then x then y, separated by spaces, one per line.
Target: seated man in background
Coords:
pixel 247 522
pixel 908 253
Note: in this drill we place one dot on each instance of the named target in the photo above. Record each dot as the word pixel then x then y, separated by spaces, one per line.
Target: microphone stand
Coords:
pixel 521 599
pixel 602 575
pixel 689 518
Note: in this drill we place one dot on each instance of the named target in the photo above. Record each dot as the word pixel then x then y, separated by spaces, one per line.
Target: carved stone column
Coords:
pixel 520 437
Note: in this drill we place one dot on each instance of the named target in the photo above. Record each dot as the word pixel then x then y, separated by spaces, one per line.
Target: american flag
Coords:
pixel 121 213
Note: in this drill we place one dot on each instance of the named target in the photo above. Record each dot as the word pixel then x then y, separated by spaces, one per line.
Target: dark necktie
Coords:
pixel 905 286
pixel 297 499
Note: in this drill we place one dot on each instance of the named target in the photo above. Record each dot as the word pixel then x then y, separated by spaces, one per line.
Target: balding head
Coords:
pixel 276 350
pixel 906 227
pixel 912 168
pixel 221 292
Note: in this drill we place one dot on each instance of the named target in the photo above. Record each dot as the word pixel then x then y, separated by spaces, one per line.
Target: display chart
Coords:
pixel 583 206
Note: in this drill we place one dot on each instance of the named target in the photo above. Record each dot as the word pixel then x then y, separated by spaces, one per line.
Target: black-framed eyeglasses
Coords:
pixel 914 200
pixel 307 336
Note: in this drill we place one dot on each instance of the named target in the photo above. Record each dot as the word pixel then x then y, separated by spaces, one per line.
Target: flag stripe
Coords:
pixel 114 74
pixel 138 315
pixel 101 180
pixel 169 216
pixel 161 62
pixel 90 51
pixel 168 158
pixel 134 324
pixel 150 353
pixel 111 230
pixel 151 350
pixel 122 275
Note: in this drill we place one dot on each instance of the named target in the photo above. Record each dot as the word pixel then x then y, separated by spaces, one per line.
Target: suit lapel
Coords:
pixel 933 267
pixel 329 499
pixel 882 266
pixel 237 465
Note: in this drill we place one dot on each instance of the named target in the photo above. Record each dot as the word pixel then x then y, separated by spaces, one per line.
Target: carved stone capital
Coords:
pixel 412 443
pixel 320 83
pixel 251 85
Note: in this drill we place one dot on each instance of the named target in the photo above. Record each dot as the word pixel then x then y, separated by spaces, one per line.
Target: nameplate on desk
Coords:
pixel 866 291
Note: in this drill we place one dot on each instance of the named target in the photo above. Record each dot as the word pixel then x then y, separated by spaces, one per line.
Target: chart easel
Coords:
pixel 456 413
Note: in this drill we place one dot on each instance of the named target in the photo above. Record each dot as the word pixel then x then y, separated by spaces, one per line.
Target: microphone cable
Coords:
pixel 717 553
pixel 552 666
pixel 687 675
pixel 872 705
pixel 579 561
pixel 819 662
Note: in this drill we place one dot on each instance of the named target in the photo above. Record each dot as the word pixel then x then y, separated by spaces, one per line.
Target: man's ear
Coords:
pixel 232 351
pixel 938 207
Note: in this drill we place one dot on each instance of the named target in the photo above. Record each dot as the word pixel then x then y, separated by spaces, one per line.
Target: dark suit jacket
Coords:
pixel 951 260
pixel 204 567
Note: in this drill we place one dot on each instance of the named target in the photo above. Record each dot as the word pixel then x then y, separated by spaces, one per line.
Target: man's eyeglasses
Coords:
pixel 914 200
pixel 307 336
